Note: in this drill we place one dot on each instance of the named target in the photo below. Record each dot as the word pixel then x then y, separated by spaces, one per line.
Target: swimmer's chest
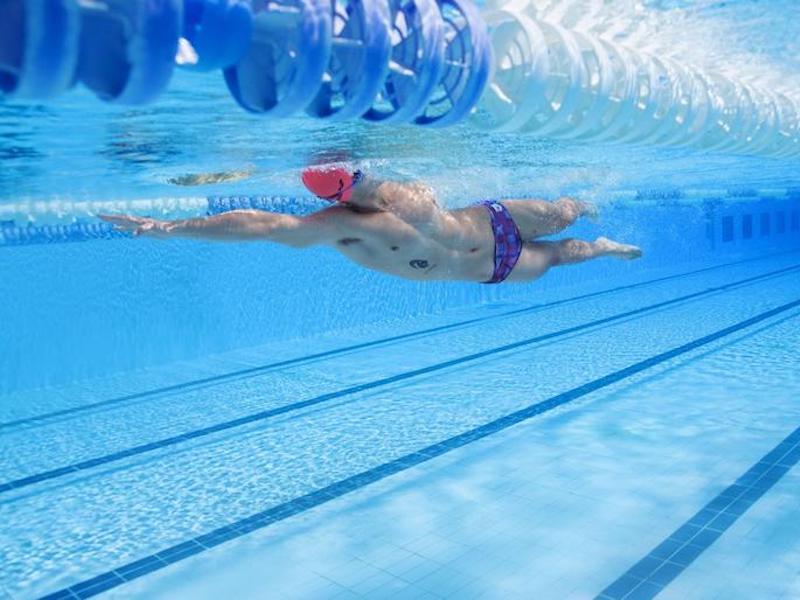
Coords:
pixel 415 260
pixel 405 257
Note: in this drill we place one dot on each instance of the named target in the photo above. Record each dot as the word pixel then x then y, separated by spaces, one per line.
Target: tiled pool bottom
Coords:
pixel 516 451
pixel 557 508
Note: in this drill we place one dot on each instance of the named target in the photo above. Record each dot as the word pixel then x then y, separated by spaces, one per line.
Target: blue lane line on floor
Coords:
pixel 263 415
pixel 159 560
pixel 253 371
pixel 670 558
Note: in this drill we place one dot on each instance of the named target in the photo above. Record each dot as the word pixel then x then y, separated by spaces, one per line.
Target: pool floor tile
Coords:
pixel 524 530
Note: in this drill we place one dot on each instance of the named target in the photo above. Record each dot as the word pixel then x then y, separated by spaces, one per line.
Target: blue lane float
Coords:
pixel 467 64
pixel 390 61
pixel 427 62
pixel 41 222
pixel 291 205
pixel 218 32
pixel 359 59
pixel 11 235
pixel 416 63
pixel 286 59
pixel 39 42
pixel 128 48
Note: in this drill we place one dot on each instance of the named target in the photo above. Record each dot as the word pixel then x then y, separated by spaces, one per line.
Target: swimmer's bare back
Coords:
pixel 399 229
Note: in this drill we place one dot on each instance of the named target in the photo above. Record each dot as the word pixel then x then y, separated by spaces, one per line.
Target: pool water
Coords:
pixel 545 444
pixel 190 420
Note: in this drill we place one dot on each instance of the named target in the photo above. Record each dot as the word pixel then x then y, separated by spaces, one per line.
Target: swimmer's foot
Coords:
pixel 617 250
pixel 574 209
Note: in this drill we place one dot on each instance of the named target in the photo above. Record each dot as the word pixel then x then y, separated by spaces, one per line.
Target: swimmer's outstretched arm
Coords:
pixel 237 225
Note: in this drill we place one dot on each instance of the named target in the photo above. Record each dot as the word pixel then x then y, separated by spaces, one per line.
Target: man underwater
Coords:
pixel 399 229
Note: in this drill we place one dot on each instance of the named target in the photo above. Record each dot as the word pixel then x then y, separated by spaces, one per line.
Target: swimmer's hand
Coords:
pixel 144 226
pixel 232 226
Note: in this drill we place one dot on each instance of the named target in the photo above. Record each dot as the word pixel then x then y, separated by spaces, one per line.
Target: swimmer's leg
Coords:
pixel 537 218
pixel 571 251
pixel 538 257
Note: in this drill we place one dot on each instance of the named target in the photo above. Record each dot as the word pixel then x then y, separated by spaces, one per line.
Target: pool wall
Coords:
pixel 73 311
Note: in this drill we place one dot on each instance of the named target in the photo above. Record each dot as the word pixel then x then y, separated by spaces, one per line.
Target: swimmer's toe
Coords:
pixel 632 253
pixel 623 251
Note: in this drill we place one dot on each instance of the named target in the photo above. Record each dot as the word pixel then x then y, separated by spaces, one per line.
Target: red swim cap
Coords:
pixel 330 183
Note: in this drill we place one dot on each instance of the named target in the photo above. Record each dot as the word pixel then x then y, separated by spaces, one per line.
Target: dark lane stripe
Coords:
pixel 281 410
pixel 670 558
pixel 250 372
pixel 153 562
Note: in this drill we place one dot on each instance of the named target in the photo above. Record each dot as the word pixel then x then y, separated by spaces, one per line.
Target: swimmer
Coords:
pixel 400 229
